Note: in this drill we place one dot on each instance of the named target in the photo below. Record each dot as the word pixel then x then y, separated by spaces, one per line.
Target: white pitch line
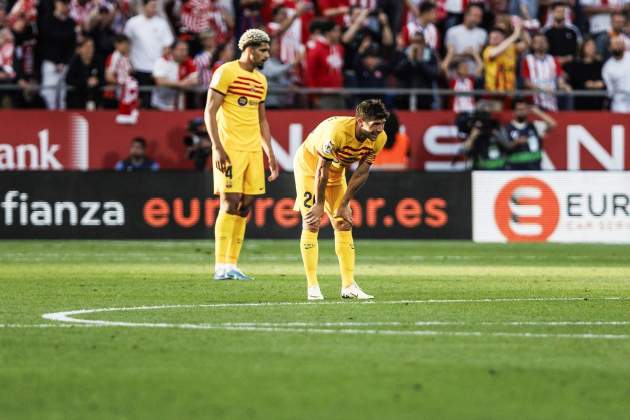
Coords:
pixel 259 325
pixel 67 317
pixel 225 327
pixel 47 325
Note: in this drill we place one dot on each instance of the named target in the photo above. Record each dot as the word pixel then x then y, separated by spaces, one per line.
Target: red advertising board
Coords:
pixel 43 140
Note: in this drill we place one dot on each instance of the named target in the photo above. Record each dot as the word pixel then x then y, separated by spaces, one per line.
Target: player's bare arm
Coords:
pixel 214 102
pixel 314 215
pixel 357 180
pixel 266 142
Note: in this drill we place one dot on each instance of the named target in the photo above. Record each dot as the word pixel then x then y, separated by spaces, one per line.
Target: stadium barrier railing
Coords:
pixel 303 95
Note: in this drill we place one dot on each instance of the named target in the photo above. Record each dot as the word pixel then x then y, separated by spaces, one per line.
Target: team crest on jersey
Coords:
pixel 327 148
pixel 242 101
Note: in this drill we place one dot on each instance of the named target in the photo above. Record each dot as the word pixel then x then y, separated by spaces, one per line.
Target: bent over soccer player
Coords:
pixel 237 123
pixel 320 183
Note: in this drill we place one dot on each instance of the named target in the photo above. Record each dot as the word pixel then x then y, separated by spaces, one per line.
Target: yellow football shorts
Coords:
pixel 305 189
pixel 246 174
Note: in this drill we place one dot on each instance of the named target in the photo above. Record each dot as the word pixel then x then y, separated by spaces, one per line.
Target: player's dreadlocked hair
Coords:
pixel 371 110
pixel 253 37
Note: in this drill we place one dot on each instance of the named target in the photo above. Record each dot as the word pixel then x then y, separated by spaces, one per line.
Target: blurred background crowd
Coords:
pixel 106 51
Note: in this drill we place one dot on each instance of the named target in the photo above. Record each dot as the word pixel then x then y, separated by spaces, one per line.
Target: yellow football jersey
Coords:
pixel 237 119
pixel 334 139
pixel 500 71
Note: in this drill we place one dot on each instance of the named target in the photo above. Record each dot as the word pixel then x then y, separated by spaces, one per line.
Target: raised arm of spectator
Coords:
pixel 478 64
pixel 523 42
pixel 332 12
pixel 354 28
pixel 494 52
pixel 387 36
pixel 590 7
pixel 412 8
pixel 300 8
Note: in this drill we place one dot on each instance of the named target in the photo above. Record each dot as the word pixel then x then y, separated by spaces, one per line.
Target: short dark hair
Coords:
pixel 84 40
pixel 141 141
pixel 316 25
pixel 177 42
pixel 539 34
pixel 558 4
pixel 145 2
pixel 471 5
pixel 519 100
pixel 121 38
pixel 371 110
pixel 427 6
pixel 327 26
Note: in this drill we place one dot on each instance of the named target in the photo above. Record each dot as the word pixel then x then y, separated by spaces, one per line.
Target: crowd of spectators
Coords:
pixel 103 50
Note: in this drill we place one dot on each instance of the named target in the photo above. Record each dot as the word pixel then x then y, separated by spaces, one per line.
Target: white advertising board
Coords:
pixel 587 206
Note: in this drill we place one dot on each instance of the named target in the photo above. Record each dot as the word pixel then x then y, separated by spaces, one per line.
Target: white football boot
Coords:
pixel 313 293
pixel 354 292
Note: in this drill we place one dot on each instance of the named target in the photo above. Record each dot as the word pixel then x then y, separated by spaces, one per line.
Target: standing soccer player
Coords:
pixel 321 186
pixel 237 123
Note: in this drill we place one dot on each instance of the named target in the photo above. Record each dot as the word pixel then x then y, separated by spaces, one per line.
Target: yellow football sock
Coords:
pixel 310 255
pixel 344 247
pixel 223 229
pixel 236 241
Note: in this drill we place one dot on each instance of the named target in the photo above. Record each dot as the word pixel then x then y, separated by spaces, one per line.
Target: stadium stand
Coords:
pixel 507 45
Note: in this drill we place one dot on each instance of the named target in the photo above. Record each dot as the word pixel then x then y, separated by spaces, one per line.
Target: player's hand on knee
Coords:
pixel 314 215
pixel 340 224
pixel 344 213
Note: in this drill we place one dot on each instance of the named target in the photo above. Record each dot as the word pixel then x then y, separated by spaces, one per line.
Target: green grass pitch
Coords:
pixel 469 342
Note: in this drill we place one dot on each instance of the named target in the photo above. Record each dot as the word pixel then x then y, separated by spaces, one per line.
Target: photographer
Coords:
pixel 198 144
pixel 485 142
pixel 526 137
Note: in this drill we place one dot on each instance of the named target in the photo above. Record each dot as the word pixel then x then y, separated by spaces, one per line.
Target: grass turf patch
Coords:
pixel 118 372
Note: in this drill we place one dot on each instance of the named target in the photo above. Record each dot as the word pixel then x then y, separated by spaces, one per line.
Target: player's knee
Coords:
pixel 310 227
pixel 342 225
pixel 243 211
pixel 230 206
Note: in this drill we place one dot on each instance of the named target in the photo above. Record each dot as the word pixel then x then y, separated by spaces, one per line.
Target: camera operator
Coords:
pixel 485 142
pixel 526 137
pixel 198 144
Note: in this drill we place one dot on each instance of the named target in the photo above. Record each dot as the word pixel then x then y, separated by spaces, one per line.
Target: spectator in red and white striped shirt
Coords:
pixel 203 59
pixel 81 10
pixel 542 72
pixel 117 70
pixel 461 81
pixel 425 23
pixel 194 16
pixel 286 27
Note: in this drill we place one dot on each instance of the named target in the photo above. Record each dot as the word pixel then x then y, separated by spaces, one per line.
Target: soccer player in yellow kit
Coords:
pixel 237 123
pixel 321 186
